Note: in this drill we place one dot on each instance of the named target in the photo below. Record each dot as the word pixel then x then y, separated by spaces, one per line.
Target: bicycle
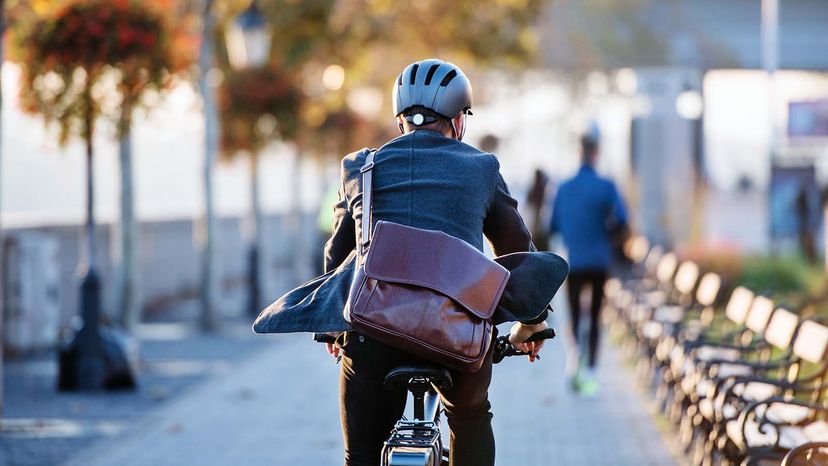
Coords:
pixel 418 441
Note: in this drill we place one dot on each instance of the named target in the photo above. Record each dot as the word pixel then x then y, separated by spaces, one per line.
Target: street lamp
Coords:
pixel 248 39
pixel 248 46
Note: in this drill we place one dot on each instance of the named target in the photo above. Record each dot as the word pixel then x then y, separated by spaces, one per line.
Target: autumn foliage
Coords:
pixel 91 57
pixel 258 105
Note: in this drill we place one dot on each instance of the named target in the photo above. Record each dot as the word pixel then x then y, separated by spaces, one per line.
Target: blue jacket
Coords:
pixel 429 181
pixel 587 210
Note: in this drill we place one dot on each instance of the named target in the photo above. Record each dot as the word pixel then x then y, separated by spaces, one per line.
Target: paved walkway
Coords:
pixel 279 407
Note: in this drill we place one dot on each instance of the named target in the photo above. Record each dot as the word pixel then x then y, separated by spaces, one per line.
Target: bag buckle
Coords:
pixel 366 167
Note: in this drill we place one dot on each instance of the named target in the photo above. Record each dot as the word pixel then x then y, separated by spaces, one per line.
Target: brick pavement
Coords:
pixel 279 407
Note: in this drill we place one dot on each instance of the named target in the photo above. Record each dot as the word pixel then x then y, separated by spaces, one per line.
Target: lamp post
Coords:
pixel 690 107
pixel 770 63
pixel 769 30
pixel 248 39
pixel 248 46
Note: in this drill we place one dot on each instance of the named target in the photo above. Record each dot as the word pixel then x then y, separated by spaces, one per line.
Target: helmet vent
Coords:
pixel 430 73
pixel 451 74
pixel 399 80
pixel 414 73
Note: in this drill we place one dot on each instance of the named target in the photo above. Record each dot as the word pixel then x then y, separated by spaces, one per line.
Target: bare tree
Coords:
pixel 126 291
pixel 207 74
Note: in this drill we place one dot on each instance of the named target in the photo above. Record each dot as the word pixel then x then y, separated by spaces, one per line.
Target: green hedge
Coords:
pixel 780 276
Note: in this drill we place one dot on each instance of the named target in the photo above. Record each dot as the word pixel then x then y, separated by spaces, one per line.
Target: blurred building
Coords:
pixel 703 110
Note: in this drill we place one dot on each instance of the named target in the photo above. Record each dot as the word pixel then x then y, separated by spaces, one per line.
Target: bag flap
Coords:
pixel 438 261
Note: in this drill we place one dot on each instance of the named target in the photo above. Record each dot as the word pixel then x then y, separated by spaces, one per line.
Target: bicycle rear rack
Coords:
pixel 414 443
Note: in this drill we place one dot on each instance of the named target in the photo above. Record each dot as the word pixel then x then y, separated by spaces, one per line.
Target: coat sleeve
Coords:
pixel 343 236
pixel 507 233
pixel 503 225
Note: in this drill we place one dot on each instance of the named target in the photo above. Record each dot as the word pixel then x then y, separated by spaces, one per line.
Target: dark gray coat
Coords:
pixel 429 181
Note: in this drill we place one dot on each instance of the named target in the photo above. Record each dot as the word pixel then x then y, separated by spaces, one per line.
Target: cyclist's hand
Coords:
pixel 333 350
pixel 521 332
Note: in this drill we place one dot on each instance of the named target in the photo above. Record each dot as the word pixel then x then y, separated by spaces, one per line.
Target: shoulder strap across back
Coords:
pixel 366 171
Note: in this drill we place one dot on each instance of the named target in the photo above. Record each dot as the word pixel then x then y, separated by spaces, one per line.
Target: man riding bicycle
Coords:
pixel 425 178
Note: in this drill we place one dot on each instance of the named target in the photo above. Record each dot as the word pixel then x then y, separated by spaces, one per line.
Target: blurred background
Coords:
pixel 210 133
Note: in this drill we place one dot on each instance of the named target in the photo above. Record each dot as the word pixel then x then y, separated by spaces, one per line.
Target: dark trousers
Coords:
pixel 576 280
pixel 369 412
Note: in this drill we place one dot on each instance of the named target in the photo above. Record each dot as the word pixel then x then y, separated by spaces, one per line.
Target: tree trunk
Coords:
pixel 207 226
pixel 126 292
pixel 91 243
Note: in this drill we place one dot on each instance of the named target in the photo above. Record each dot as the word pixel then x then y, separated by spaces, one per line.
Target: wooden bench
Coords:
pixel 692 322
pixel 700 342
pixel 778 406
pixel 640 297
pixel 654 324
pixel 731 376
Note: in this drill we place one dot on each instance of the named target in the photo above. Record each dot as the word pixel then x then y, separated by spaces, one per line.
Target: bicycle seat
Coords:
pixel 399 377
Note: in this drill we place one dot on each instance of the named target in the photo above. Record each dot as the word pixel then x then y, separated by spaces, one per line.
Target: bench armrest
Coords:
pixel 754 413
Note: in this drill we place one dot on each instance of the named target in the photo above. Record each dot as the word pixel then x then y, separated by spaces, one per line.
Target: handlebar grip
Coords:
pixel 323 338
pixel 546 334
pixel 503 348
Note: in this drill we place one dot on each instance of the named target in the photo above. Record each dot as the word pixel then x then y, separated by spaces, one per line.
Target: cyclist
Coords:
pixel 426 178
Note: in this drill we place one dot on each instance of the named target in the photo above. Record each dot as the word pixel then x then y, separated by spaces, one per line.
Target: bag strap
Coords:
pixel 366 171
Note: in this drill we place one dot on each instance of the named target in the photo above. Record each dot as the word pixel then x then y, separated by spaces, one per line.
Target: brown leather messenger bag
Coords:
pixel 423 291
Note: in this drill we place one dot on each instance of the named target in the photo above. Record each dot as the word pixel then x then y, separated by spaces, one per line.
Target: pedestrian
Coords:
pixel 426 178
pixel 588 212
pixel 324 220
pixel 537 210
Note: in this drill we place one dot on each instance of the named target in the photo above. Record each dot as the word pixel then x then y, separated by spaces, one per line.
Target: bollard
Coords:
pixel 93 359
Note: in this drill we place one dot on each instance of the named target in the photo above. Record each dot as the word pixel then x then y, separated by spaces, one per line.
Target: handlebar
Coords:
pixel 502 347
pixel 323 338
